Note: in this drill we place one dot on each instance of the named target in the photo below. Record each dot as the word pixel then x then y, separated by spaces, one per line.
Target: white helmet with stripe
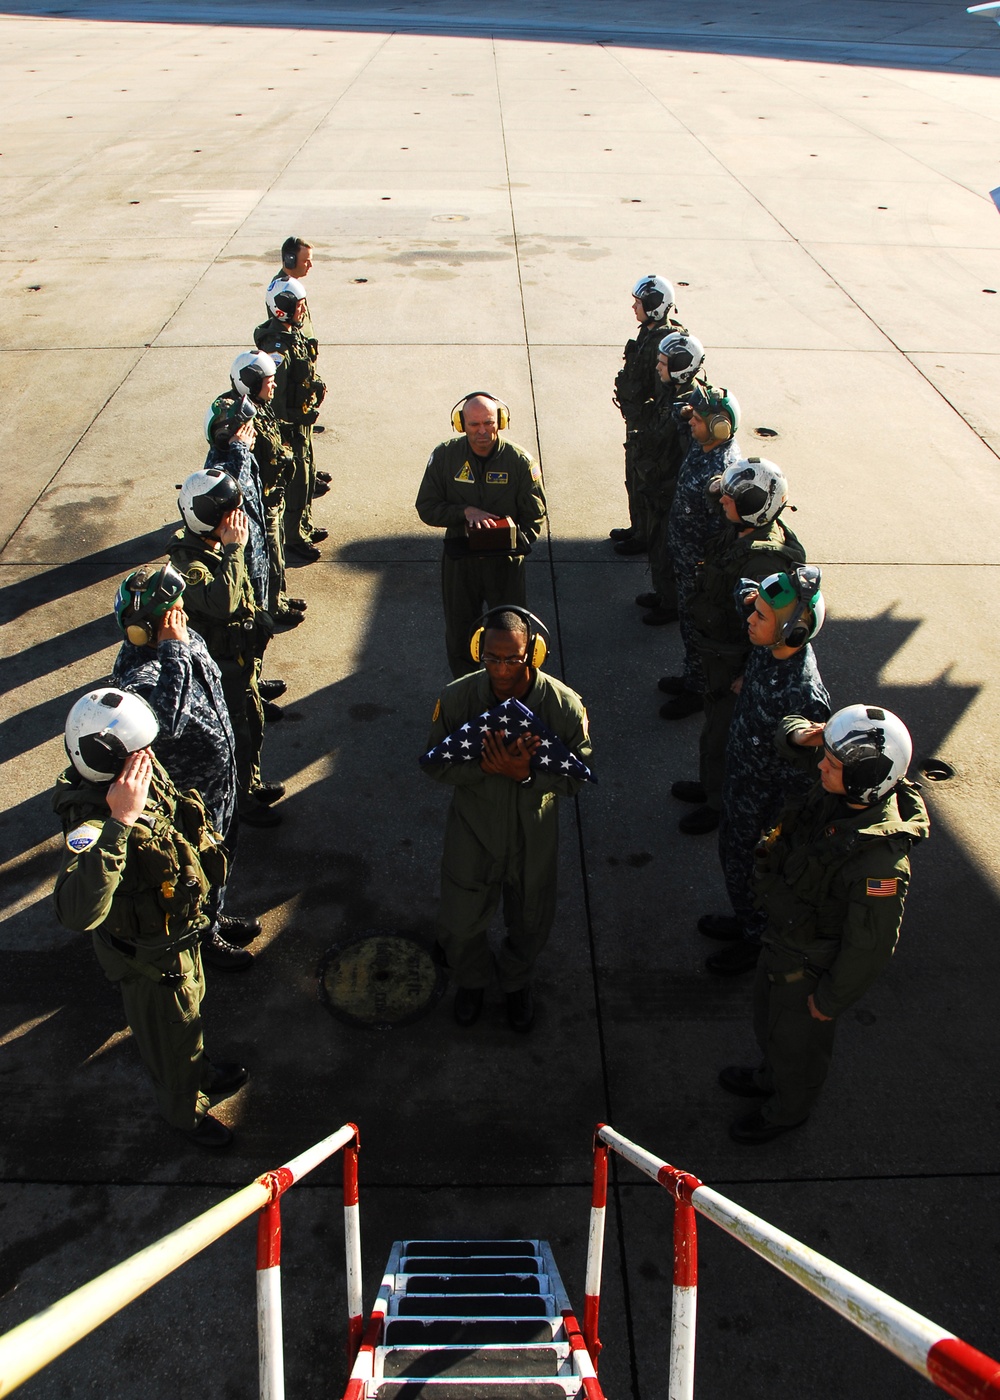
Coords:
pixel 656 295
pixel 103 728
pixel 875 747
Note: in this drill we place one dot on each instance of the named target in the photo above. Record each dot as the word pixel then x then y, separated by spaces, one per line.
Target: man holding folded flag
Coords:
pixel 509 740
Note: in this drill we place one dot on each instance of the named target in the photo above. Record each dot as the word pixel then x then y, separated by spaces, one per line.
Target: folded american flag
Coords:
pixel 510 720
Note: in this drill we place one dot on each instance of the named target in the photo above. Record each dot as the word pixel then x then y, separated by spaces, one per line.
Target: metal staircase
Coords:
pixel 472 1320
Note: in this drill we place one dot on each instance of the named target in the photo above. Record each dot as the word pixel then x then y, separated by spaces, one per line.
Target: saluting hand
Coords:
pixel 173 628
pixel 234 528
pixel 809 738
pixel 508 760
pixel 247 433
pixel 127 794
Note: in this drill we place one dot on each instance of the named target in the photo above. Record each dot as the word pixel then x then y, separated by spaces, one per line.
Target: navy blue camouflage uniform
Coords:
pixel 183 687
pixel 659 483
pixel 758 781
pixel 694 518
pixel 240 463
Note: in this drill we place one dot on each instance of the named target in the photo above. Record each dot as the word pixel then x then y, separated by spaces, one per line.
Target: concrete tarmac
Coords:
pixel 482 186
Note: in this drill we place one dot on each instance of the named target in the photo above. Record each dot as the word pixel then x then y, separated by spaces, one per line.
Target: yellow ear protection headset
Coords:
pixel 719 410
pixel 143 598
pixel 458 412
pixel 538 634
pixel 802 587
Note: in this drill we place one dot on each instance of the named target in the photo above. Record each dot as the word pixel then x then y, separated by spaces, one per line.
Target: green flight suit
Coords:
pixel 721 629
pixel 507 482
pixel 298 394
pixel 832 881
pixel 275 463
pixel 501 838
pixel 142 892
pixel 637 390
pixel 219 602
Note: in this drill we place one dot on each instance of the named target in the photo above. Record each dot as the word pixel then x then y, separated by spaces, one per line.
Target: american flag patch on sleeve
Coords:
pixel 881 889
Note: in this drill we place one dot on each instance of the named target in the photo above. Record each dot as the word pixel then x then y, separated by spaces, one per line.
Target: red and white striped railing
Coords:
pixel 942 1358
pixel 28 1348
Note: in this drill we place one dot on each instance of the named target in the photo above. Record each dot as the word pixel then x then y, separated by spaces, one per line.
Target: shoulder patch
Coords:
pixel 197 574
pixel 83 837
pixel 437 713
pixel 536 472
pixel 881 889
pixel 585 725
pixel 465 474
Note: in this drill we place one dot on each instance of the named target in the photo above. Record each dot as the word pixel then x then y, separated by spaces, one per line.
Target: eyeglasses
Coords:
pixel 509 661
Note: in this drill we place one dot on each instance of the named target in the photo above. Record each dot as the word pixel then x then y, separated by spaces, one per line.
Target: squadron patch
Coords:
pixel 197 574
pixel 82 837
pixel 497 478
pixel 881 889
pixel 466 475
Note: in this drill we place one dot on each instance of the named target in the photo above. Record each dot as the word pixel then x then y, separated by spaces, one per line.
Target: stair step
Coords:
pixel 473 1305
pixel 476 1390
pixel 464 1248
pixel 470 1283
pixel 469 1264
pixel 472 1332
pixel 459 1362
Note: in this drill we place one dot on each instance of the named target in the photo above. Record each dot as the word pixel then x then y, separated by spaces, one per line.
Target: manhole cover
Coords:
pixel 380 979
pixel 935 770
pixel 449 218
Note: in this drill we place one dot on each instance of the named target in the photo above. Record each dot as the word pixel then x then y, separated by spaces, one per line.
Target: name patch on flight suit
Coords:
pixel 465 475
pixel 497 478
pixel 82 837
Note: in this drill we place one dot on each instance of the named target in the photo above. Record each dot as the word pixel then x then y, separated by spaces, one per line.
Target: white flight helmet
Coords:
pixel 685 355
pixel 283 296
pixel 102 730
pixel 656 295
pixel 874 746
pixel 207 496
pixel 758 489
pixel 249 370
